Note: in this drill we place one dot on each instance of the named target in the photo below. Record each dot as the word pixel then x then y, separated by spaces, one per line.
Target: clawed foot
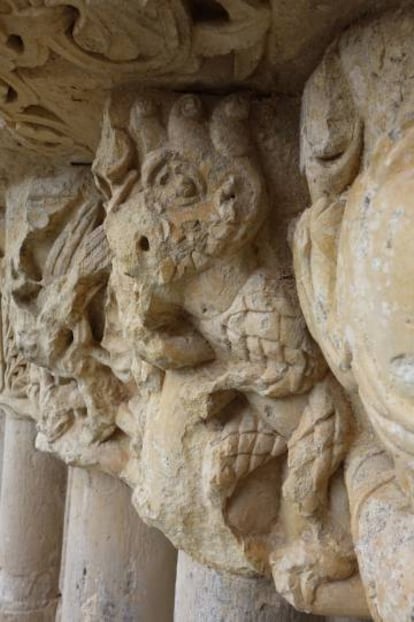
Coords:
pixel 300 568
pixel 94 430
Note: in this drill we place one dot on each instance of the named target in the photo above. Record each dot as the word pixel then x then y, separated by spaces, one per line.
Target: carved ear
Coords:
pixel 242 201
pixel 242 197
pixel 331 129
pixel 229 127
pixel 116 155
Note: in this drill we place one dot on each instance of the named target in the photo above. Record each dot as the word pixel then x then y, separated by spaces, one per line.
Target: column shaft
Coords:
pixel 31 526
pixel 204 595
pixel 116 569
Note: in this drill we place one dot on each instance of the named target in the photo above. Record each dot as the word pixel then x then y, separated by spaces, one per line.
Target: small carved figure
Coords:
pixel 51 304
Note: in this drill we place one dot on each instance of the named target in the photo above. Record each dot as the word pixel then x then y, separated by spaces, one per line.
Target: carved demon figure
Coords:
pixel 238 427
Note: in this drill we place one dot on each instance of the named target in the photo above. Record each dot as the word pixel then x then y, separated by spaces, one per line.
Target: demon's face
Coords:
pixel 191 203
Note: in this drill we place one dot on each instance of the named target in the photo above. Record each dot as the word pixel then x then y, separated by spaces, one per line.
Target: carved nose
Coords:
pixel 132 262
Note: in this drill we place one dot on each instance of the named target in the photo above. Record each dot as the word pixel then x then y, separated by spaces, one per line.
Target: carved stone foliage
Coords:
pixel 151 37
pixel 59 58
pixel 354 271
pixel 89 46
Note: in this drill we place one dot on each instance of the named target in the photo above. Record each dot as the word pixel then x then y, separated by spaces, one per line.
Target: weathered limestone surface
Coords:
pixel 60 58
pixel 354 273
pixel 2 427
pixel 211 407
pixel 207 301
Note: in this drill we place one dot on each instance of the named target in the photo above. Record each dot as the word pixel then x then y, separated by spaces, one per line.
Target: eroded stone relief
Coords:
pixel 165 343
pixel 187 203
pixel 154 323
pixel 59 59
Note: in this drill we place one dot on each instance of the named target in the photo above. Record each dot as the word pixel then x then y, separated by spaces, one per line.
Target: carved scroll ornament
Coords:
pixel 87 47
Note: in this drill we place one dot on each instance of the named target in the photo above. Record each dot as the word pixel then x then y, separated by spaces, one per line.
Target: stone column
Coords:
pixel 204 595
pixel 31 526
pixel 2 426
pixel 115 567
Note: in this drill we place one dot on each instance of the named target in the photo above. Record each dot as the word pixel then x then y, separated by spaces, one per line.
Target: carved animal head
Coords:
pixel 184 187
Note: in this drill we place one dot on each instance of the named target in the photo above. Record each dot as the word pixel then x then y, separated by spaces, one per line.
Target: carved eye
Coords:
pixel 186 188
pixel 178 186
pixel 175 181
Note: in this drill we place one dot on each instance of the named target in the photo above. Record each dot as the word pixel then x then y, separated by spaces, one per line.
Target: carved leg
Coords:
pixel 115 567
pixel 316 569
pixel 31 526
pixel 204 595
